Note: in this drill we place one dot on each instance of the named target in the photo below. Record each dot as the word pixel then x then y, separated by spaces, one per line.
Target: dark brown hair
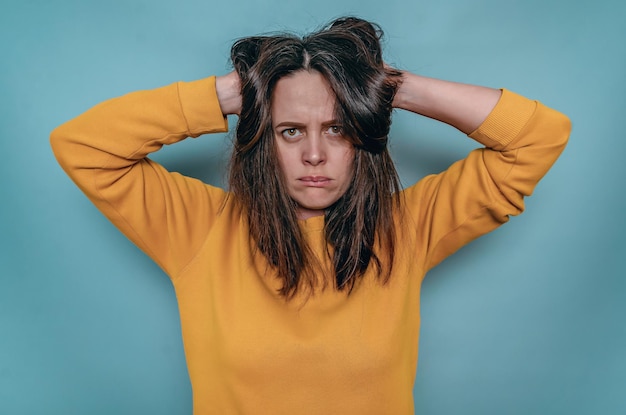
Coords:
pixel 359 226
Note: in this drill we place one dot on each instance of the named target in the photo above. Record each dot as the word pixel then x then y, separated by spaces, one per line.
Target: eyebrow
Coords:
pixel 294 124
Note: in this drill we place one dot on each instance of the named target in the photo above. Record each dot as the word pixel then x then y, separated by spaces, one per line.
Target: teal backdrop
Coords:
pixel 527 320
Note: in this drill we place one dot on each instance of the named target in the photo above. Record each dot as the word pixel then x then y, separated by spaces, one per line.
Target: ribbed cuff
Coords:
pixel 505 121
pixel 201 107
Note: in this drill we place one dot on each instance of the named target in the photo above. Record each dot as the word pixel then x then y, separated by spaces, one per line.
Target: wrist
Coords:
pixel 228 89
pixel 409 92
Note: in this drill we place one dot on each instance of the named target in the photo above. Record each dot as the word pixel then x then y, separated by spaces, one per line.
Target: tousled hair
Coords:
pixel 359 226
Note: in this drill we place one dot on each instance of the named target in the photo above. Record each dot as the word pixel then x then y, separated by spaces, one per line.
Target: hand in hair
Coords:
pixel 228 89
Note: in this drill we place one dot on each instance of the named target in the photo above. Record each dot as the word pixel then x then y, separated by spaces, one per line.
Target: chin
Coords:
pixel 307 210
pixel 315 206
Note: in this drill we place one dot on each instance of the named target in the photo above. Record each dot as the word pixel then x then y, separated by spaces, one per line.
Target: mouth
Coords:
pixel 315 181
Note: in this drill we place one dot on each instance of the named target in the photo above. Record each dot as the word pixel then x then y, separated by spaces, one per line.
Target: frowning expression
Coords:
pixel 316 159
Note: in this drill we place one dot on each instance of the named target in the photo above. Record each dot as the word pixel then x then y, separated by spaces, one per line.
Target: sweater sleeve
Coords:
pixel 522 140
pixel 105 152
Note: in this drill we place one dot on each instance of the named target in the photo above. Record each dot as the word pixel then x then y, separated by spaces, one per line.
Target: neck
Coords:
pixel 304 214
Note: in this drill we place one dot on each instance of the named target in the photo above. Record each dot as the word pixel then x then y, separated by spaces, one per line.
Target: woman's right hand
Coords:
pixel 228 88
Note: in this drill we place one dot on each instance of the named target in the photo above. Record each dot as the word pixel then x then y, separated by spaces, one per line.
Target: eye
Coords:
pixel 291 133
pixel 335 130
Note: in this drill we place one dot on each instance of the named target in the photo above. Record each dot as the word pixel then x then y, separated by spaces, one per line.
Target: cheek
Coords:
pixel 283 157
pixel 288 162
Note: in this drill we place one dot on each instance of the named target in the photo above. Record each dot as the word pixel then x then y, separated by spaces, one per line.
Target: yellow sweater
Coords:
pixel 248 350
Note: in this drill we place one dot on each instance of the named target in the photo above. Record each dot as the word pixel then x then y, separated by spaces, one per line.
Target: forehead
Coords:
pixel 303 96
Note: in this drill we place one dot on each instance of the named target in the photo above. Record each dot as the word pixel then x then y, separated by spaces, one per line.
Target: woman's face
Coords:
pixel 316 159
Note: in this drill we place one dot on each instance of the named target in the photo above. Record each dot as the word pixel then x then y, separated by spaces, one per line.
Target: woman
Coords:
pixel 299 288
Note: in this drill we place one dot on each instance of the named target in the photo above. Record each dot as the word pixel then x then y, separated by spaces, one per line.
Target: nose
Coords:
pixel 314 151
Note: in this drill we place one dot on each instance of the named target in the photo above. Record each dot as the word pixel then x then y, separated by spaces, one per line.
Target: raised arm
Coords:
pixel 105 152
pixel 521 138
pixel 462 106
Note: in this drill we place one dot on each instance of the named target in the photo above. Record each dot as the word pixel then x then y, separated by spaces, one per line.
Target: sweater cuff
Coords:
pixel 201 108
pixel 505 121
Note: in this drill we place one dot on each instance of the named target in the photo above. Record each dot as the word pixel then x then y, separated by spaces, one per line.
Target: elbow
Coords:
pixel 56 140
pixel 61 146
pixel 563 129
pixel 57 144
pixel 555 128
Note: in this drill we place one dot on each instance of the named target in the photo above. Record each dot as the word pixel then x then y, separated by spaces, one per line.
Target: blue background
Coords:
pixel 529 319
